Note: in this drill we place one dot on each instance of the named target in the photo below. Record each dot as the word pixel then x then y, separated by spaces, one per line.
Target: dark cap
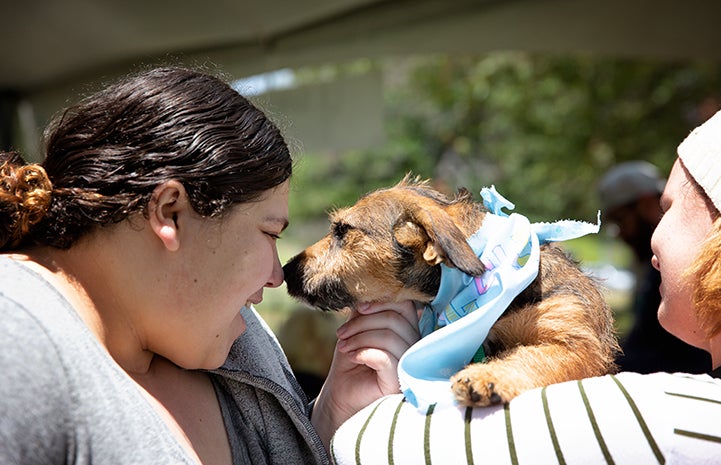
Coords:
pixel 627 182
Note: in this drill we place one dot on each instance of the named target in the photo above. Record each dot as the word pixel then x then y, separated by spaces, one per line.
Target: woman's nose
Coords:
pixel 276 276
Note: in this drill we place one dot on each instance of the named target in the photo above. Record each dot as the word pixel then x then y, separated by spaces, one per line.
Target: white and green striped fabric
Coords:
pixel 617 419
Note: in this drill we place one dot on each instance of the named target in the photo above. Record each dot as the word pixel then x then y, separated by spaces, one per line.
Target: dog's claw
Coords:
pixel 473 395
pixel 476 392
pixel 494 397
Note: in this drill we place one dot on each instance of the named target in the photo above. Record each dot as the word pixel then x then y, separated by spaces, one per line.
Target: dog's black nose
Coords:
pixel 293 275
pixel 326 293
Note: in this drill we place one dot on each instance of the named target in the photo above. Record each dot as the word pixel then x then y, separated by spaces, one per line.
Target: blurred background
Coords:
pixel 536 97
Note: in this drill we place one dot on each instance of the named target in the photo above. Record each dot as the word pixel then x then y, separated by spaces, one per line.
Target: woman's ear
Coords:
pixel 167 204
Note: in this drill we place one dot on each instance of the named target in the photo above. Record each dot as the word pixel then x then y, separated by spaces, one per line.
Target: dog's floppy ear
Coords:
pixel 432 230
pixel 411 236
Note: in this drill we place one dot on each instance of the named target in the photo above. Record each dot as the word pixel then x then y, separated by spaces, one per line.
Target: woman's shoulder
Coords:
pixel 34 393
pixel 44 345
pixel 61 392
pixel 32 310
pixel 628 417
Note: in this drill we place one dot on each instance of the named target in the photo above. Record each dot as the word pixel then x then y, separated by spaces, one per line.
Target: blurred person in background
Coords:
pixel 630 194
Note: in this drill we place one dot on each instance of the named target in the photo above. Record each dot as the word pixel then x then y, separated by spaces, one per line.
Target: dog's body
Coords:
pixel 389 246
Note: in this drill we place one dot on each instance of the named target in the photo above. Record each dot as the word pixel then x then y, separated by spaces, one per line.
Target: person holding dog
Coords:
pixel 630 194
pixel 624 418
pixel 130 260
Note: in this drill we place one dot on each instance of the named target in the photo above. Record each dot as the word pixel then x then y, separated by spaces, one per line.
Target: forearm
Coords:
pixel 326 420
pixel 634 418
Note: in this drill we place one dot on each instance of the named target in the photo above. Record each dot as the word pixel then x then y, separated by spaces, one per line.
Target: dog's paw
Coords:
pixel 475 386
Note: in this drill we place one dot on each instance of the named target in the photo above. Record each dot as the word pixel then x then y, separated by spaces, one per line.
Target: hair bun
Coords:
pixel 25 194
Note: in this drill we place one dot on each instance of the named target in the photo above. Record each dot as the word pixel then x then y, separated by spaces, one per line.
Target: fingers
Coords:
pixel 380 340
pixel 377 368
pixel 383 365
pixel 377 335
pixel 371 328
pixel 405 308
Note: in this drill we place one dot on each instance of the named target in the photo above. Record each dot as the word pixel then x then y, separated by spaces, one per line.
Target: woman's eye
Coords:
pixel 274 236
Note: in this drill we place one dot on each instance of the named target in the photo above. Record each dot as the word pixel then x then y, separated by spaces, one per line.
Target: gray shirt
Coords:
pixel 63 399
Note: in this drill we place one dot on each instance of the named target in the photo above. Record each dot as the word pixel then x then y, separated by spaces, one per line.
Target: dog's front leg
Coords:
pixel 553 341
pixel 514 371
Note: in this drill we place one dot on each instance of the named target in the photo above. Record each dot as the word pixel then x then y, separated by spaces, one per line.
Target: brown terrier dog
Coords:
pixel 389 246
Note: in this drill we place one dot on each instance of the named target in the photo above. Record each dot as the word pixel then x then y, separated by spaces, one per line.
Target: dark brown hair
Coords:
pixel 105 155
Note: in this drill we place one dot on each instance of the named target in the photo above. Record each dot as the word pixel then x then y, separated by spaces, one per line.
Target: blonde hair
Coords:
pixel 705 274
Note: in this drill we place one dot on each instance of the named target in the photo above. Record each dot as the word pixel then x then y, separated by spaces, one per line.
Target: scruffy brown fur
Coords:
pixel 388 247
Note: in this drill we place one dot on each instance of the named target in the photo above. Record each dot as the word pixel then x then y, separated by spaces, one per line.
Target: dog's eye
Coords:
pixel 339 230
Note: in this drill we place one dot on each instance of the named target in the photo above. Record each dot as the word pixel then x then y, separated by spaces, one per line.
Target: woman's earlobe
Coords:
pixel 168 235
pixel 167 201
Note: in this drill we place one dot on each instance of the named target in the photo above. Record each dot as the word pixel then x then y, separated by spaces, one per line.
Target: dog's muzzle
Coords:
pixel 328 293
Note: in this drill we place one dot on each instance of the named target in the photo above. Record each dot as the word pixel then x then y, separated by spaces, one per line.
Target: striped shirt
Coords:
pixel 616 419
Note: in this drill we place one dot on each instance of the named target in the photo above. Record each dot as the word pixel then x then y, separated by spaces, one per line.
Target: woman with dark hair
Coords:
pixel 130 259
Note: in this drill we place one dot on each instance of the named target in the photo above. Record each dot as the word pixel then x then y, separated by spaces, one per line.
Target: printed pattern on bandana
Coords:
pixel 468 298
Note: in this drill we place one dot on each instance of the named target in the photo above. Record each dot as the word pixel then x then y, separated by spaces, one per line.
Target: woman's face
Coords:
pixel 677 241
pixel 226 264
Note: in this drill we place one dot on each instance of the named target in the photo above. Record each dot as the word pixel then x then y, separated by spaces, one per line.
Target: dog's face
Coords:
pixel 387 247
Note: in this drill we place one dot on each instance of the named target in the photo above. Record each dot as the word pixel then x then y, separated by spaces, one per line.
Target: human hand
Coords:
pixel 365 363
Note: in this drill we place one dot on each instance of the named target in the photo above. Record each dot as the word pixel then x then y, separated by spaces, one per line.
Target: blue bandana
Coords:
pixel 455 324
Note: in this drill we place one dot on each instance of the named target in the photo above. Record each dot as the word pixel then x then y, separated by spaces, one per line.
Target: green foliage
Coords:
pixel 542 128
